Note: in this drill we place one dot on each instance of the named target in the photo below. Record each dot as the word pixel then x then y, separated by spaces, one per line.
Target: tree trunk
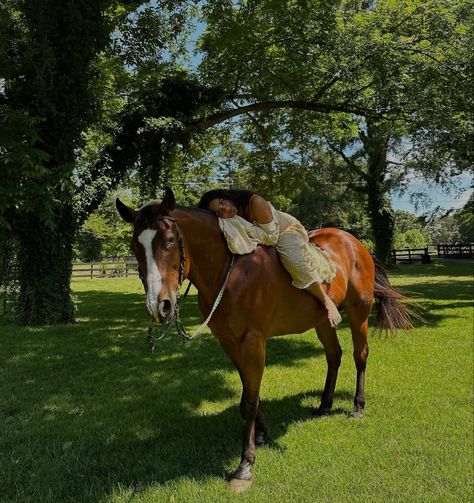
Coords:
pixel 44 270
pixel 52 78
pixel 382 220
pixel 376 141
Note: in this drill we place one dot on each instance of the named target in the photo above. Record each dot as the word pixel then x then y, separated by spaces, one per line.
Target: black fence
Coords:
pixel 424 255
pixel 464 250
pixel 411 255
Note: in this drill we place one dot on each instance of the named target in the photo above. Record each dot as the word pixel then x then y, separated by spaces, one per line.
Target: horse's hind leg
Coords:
pixel 328 337
pixel 358 317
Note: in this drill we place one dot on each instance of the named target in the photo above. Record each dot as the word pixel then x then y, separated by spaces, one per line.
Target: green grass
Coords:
pixel 88 414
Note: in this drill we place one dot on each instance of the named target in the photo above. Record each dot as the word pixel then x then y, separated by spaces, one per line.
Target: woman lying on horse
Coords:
pixel 247 220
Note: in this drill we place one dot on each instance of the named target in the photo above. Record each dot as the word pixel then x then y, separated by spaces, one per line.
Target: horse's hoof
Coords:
pixel 356 414
pixel 239 485
pixel 321 411
pixel 260 438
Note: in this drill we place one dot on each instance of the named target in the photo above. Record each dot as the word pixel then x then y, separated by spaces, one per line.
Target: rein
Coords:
pixel 180 328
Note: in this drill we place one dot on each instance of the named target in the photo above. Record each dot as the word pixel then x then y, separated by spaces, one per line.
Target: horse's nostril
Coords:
pixel 165 308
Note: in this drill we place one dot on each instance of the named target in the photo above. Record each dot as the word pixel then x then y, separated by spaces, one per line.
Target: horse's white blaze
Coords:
pixel 153 278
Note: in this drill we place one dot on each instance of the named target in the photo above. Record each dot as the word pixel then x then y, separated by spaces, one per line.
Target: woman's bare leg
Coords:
pixel 333 314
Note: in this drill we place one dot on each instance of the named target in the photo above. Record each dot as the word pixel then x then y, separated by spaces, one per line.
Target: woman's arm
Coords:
pixel 266 230
pixel 260 210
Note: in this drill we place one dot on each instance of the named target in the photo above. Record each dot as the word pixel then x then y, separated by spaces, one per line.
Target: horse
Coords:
pixel 174 242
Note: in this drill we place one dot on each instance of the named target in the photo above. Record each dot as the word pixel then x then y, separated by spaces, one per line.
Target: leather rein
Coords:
pixel 151 339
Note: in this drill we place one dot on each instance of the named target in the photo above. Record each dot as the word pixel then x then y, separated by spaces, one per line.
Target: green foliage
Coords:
pixel 22 166
pixel 390 61
pixel 412 238
pixel 465 221
pixel 52 91
pixel 444 230
pixel 123 109
pixel 104 233
pixel 405 221
pixel 66 81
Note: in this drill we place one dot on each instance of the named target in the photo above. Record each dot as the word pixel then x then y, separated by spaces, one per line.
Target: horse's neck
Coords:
pixel 206 248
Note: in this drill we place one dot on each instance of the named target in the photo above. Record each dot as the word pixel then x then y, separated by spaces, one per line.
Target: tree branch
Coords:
pixel 349 161
pixel 202 123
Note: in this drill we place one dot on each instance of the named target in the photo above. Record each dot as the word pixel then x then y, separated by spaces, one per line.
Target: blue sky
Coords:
pixel 455 199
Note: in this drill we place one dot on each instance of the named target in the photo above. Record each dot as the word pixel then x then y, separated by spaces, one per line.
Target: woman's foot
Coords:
pixel 333 315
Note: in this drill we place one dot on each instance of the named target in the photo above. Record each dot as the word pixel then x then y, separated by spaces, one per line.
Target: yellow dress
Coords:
pixel 305 261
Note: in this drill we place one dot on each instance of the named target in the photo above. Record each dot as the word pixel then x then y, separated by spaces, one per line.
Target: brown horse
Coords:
pixel 259 301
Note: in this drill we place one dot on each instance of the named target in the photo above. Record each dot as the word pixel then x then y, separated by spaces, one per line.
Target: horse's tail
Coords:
pixel 394 310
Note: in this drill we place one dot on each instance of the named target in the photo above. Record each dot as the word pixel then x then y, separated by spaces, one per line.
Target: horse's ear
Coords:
pixel 128 214
pixel 169 202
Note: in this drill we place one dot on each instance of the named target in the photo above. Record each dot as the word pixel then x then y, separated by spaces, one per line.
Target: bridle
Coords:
pixel 182 252
pixel 179 301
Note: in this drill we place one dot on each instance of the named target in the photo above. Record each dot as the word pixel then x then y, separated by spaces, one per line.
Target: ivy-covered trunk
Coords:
pixel 52 78
pixel 376 141
pixel 44 270
pixel 382 219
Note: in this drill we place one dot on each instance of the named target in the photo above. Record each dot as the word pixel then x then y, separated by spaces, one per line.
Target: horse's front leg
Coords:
pixel 260 426
pixel 250 364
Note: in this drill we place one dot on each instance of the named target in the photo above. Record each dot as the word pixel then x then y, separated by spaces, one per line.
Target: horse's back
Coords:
pixel 356 271
pixel 265 298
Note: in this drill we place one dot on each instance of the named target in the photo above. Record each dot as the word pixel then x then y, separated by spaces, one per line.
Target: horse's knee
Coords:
pixel 334 357
pixel 360 356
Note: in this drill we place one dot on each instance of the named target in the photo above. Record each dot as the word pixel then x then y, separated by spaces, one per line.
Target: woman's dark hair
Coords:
pixel 240 198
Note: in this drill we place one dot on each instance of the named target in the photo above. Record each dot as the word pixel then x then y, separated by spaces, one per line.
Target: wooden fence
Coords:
pixel 123 268
pixel 424 255
pixel 411 255
pixel 109 269
pixel 464 250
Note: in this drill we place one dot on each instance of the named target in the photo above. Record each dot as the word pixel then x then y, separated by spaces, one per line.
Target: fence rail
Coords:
pixel 411 255
pixel 463 250
pixel 450 251
pixel 111 269
pixel 129 267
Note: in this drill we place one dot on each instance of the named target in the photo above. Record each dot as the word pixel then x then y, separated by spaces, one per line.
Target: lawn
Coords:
pixel 88 414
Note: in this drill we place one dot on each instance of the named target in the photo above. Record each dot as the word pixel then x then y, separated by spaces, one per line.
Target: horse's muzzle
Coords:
pixel 160 311
pixel 165 310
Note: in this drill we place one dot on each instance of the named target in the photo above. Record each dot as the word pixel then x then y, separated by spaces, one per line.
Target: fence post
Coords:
pixel 92 267
pixel 126 269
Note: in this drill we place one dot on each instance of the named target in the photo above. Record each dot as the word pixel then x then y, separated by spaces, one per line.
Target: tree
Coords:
pixel 443 230
pixel 465 221
pixel 412 238
pixel 119 106
pixel 62 64
pixel 382 63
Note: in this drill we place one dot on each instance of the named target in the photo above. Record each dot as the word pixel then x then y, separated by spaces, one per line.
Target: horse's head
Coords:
pixel 159 249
